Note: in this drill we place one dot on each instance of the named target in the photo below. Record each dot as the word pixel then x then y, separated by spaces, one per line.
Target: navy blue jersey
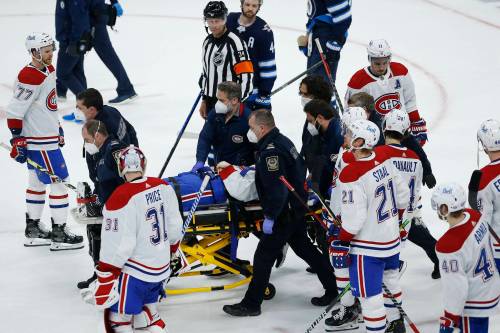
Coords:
pixel 260 42
pixel 72 20
pixel 329 21
pixel 117 126
pixel 229 139
pixel 331 141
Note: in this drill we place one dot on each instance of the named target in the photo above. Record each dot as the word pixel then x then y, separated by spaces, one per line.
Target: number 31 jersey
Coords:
pixel 471 284
pixel 141 220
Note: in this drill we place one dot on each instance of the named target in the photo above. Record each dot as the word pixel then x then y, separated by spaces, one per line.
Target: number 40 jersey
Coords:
pixel 470 281
pixel 141 220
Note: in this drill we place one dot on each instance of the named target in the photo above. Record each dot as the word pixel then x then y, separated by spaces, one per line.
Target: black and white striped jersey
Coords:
pixel 225 59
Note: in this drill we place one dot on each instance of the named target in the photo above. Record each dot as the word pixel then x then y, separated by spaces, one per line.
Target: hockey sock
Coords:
pixel 58 202
pixel 391 281
pixel 342 277
pixel 35 196
pixel 374 313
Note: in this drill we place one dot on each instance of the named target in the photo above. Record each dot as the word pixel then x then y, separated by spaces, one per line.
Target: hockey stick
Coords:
pixel 328 308
pixel 329 74
pixel 204 184
pixel 54 177
pixel 180 133
pixel 323 203
pixel 295 78
pixel 297 196
pixel 400 308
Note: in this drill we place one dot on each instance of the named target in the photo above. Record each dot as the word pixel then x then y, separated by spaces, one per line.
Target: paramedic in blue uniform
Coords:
pixel 260 42
pixel 329 21
pixel 283 215
pixel 226 130
pixel 73 33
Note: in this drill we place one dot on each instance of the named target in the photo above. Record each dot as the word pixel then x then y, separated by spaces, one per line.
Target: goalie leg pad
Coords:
pixel 119 323
pixel 149 318
pixel 35 196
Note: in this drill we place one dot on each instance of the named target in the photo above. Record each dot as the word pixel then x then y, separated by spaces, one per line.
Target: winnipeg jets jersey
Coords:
pixel 489 198
pixel 240 182
pixel 32 111
pixel 372 191
pixel 471 285
pixel 394 90
pixel 141 220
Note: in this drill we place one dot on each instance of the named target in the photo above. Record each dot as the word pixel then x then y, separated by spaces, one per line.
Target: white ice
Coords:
pixel 450 46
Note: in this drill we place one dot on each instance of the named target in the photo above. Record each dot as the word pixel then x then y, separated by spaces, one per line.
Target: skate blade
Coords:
pixel 65 246
pixel 343 328
pixel 34 242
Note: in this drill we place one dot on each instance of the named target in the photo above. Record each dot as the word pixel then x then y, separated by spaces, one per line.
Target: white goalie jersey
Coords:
pixel 240 182
pixel 141 220
pixel 33 108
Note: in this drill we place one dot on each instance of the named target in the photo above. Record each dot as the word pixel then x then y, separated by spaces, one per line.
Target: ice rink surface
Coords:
pixel 450 46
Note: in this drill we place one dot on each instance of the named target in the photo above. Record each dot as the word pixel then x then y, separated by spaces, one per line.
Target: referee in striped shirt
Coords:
pixel 225 58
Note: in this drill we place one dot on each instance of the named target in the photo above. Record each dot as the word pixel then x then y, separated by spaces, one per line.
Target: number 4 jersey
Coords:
pixel 470 282
pixel 141 220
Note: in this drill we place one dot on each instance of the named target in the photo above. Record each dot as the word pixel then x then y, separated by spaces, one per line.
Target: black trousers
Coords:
pixel 94 237
pixel 293 232
pixel 420 235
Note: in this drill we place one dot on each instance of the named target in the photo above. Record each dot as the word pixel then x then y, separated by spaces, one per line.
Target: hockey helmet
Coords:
pixel 131 159
pixel 378 48
pixel 450 194
pixel 352 114
pixel 36 40
pixel 214 10
pixel 397 121
pixel 489 135
pixel 366 130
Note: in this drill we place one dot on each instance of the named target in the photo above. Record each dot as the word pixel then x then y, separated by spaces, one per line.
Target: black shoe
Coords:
pixel 310 270
pixel 344 318
pixel 326 299
pixel 435 273
pixel 396 326
pixel 36 234
pixel 240 310
pixel 63 239
pixel 85 284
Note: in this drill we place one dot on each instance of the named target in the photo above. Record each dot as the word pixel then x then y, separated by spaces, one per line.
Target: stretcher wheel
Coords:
pixel 269 292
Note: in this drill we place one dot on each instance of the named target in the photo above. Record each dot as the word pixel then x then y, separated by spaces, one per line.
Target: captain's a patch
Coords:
pixel 272 163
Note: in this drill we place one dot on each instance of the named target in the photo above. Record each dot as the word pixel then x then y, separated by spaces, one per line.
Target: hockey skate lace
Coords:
pixel 68 232
pixel 341 313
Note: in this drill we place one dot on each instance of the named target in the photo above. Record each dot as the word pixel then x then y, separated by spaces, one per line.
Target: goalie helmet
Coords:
pixel 36 40
pixel 352 114
pixel 450 194
pixel 214 10
pixel 489 135
pixel 366 130
pixel 131 159
pixel 378 48
pixel 397 121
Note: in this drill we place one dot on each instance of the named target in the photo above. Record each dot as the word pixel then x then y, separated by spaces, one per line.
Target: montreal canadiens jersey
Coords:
pixel 372 191
pixel 345 158
pixel 394 90
pixel 33 108
pixel 260 43
pixel 470 282
pixel 240 182
pixel 141 220
pixel 489 198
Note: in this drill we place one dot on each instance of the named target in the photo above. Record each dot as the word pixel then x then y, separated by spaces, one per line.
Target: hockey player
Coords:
pixel 489 186
pixel 373 197
pixel 142 227
pixel 329 21
pixel 225 57
pixel 239 181
pixel 37 136
pixel 471 286
pixel 390 85
pixel 260 42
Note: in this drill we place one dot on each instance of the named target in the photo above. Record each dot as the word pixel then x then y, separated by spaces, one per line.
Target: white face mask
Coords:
pixel 221 108
pixel 304 100
pixel 312 129
pixel 91 148
pixel 252 137
pixel 79 115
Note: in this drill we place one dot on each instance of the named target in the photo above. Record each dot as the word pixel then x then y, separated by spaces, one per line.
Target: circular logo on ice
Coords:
pixel 51 101
pixel 387 102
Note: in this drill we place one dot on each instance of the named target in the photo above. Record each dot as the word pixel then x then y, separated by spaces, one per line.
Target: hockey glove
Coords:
pixel 76 49
pixel 267 226
pixel 419 131
pixel 19 150
pixel 262 102
pixel 106 290
pixel 119 9
pixel 339 252
pixel 178 262
pixel 447 325
pixel 429 180
pixel 198 165
pixel 61 137
pixel 333 51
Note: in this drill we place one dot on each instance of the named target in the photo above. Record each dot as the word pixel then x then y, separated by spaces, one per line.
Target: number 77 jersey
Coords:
pixel 471 284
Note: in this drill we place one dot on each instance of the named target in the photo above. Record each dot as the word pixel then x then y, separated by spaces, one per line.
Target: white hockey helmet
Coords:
pixel 378 48
pixel 131 159
pixel 366 130
pixel 489 135
pixel 450 194
pixel 36 40
pixel 352 114
pixel 397 121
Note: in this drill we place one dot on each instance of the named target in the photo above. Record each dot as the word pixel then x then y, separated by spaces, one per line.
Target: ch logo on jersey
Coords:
pixel 218 58
pixel 385 103
pixel 51 101
pixel 237 139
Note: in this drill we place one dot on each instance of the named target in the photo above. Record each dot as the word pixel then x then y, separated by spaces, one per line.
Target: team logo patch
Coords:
pixel 294 153
pixel 61 4
pixel 51 101
pixel 237 139
pixel 333 157
pixel 241 54
pixel 385 103
pixel 218 58
pixel 272 163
